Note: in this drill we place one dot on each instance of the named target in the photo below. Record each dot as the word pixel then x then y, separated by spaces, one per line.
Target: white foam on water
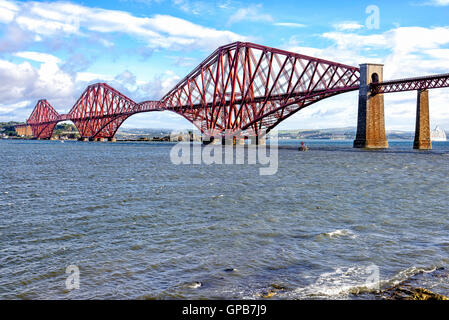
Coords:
pixel 194 285
pixel 404 275
pixel 341 233
pixel 344 281
pixel 339 283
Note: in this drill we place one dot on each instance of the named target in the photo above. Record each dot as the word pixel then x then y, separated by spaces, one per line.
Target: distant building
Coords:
pixel 24 130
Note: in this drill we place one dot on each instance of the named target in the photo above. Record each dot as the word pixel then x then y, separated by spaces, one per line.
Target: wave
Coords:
pixel 340 283
pixel 343 282
pixel 340 233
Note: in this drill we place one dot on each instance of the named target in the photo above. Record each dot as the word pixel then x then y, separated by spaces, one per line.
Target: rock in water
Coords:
pixel 411 288
pixel 274 290
pixel 406 292
pixel 268 295
pixel 195 285
pixel 424 294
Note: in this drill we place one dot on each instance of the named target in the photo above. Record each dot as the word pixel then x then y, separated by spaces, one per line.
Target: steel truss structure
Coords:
pixel 43 119
pixel 249 87
pixel 411 84
pixel 98 113
pixel 240 89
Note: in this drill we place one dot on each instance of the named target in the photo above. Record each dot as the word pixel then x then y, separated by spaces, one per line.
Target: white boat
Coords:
pixel 438 134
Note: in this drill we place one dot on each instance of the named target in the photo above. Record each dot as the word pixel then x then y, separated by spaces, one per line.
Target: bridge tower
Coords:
pixel 371 119
pixel 422 130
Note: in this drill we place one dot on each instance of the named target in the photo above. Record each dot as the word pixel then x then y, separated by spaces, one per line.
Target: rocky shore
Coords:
pixel 407 292
pixel 409 289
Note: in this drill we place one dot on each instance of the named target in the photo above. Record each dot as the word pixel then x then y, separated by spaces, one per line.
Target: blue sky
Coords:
pixel 54 49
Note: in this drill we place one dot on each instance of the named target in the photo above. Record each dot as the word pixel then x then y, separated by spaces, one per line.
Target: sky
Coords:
pixel 54 49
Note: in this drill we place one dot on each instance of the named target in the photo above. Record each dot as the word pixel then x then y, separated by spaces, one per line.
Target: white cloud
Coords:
pixel 38 56
pixel 46 27
pixel 289 24
pixel 56 80
pixel 251 13
pixel 128 84
pixel 348 40
pixel 13 107
pixel 437 3
pixel 224 5
pixel 49 80
pixel 7 11
pixel 24 82
pixel 90 77
pixel 405 52
pixel 159 31
pixel 15 79
pixel 184 61
pixel 158 86
pixel 106 43
pixel 347 25
pixel 183 32
pixel 193 7
pixel 337 54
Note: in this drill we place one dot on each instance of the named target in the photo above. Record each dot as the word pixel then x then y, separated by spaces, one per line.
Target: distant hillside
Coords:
pixel 346 133
pixel 8 128
pixel 331 133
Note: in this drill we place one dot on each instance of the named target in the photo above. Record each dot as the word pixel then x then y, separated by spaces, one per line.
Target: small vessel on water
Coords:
pixel 303 147
pixel 438 134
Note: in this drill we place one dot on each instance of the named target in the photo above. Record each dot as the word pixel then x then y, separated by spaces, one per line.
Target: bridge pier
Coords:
pixel 112 139
pixel 239 141
pixel 209 140
pixel 226 140
pixel 257 140
pixel 422 129
pixel 371 119
pixel 232 140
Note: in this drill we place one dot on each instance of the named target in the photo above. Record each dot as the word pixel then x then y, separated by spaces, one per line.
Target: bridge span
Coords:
pixel 245 89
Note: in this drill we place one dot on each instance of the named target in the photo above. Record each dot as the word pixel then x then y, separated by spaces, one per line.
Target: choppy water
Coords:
pixel 140 227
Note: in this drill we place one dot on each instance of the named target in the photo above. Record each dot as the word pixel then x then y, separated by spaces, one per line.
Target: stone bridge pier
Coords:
pixel 422 129
pixel 371 119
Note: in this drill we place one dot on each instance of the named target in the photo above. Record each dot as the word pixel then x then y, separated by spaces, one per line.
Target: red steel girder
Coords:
pixel 100 110
pixel 245 86
pixel 411 84
pixel 240 87
pixel 43 120
pixel 98 113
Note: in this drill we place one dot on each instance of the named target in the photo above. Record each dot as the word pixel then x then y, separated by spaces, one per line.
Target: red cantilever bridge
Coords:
pixel 241 88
